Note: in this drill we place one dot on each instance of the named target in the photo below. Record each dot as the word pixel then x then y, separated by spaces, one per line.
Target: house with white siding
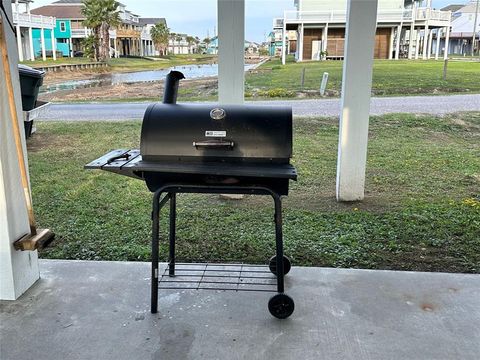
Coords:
pixel 405 29
pixel 463 24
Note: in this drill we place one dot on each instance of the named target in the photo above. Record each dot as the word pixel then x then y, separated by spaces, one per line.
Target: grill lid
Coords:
pixel 174 132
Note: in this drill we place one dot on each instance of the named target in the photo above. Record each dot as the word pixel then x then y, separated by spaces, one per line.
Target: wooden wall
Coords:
pixel 310 35
pixel 336 42
pixel 382 43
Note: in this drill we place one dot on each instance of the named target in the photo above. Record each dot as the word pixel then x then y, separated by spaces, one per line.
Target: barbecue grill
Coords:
pixel 210 149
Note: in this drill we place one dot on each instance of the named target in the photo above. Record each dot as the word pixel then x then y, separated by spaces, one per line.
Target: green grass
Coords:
pixel 59 61
pixel 421 212
pixel 131 64
pixel 390 78
pixel 139 64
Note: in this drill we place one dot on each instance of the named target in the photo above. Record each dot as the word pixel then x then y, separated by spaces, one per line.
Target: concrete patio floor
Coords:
pixel 100 310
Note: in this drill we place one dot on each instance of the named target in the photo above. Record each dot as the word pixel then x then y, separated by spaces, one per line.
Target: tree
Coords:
pixel 190 41
pixel 160 34
pixel 100 16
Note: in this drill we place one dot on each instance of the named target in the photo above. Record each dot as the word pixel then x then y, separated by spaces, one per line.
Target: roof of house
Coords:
pixel 59 11
pixel 471 7
pixel 150 21
pixel 452 7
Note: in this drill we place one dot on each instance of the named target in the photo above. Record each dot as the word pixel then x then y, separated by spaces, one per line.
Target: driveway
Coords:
pixel 437 105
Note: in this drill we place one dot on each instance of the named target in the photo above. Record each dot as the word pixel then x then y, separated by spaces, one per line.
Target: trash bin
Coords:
pixel 30 81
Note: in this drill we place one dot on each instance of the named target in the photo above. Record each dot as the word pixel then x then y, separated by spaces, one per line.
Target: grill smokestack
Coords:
pixel 171 87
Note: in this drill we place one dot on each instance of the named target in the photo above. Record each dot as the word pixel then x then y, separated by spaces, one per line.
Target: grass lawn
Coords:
pixel 131 64
pixel 390 78
pixel 59 61
pixel 421 212
pixel 138 64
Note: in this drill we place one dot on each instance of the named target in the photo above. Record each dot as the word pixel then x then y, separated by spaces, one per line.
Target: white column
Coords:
pixel 417 44
pixel 142 47
pixel 19 43
pixel 231 51
pixel 30 41
pixel 18 269
pixel 430 40
pixel 437 47
pixel 325 39
pixel 355 102
pixel 70 46
pixel 300 45
pixel 42 40
pixel 54 45
pixel 284 33
pixel 425 43
pixel 390 46
pixel 399 40
pixel 115 47
pixel 447 41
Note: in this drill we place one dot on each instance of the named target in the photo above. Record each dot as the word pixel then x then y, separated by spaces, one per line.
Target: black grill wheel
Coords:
pixel 281 306
pixel 286 265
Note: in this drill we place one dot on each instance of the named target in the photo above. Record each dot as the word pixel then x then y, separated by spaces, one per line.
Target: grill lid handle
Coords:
pixel 214 144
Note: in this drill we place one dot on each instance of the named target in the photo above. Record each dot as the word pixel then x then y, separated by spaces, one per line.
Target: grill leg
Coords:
pixel 155 234
pixel 279 242
pixel 173 213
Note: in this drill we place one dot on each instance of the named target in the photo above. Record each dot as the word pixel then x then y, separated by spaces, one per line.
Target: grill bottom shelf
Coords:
pixel 232 277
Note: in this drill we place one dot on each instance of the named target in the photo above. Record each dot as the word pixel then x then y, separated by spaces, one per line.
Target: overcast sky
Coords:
pixel 199 17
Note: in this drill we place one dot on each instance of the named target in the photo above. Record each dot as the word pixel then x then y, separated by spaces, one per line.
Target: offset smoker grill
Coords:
pixel 208 149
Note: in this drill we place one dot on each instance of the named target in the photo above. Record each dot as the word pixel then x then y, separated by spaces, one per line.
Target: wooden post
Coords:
pixel 355 102
pixel 302 78
pixel 231 51
pixel 445 66
pixel 18 269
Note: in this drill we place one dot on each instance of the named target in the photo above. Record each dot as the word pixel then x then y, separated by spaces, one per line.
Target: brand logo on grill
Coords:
pixel 218 114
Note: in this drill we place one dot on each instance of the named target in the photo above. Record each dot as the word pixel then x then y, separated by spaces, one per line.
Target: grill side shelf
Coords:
pixel 103 160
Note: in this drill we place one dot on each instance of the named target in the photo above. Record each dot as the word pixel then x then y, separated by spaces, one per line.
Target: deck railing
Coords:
pixel 34 21
pixel 383 16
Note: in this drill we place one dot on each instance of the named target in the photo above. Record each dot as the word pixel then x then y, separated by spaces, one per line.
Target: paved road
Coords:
pixel 321 107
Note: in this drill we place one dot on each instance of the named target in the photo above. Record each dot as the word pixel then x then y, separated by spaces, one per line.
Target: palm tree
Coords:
pixel 179 38
pixel 190 41
pixel 160 35
pixel 100 15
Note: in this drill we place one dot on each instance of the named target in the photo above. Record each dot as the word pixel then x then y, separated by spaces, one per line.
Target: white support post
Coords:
pixel 390 46
pixel 19 43
pixel 30 43
pixel 437 47
pixel 70 47
pixel 430 40
pixel 284 34
pixel 425 43
pixel 355 102
pixel 54 45
pixel 325 40
pixel 231 51
pixel 399 39
pixel 300 45
pixel 42 40
pixel 417 44
pixel 18 269
pixel 447 41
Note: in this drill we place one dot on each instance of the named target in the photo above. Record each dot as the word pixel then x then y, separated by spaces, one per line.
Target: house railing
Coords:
pixel 84 32
pixel 34 21
pixel 145 35
pixel 383 16
pixel 431 14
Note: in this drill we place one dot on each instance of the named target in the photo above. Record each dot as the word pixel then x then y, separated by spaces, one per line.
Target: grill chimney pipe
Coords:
pixel 171 87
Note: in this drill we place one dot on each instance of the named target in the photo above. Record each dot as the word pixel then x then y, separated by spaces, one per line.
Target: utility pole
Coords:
pixel 475 28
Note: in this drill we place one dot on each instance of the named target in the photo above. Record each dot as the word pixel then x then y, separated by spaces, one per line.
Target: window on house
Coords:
pixel 62 26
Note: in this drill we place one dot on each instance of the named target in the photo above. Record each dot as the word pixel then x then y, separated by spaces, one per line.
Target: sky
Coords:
pixel 199 17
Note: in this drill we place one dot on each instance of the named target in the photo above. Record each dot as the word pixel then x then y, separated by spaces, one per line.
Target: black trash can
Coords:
pixel 30 81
